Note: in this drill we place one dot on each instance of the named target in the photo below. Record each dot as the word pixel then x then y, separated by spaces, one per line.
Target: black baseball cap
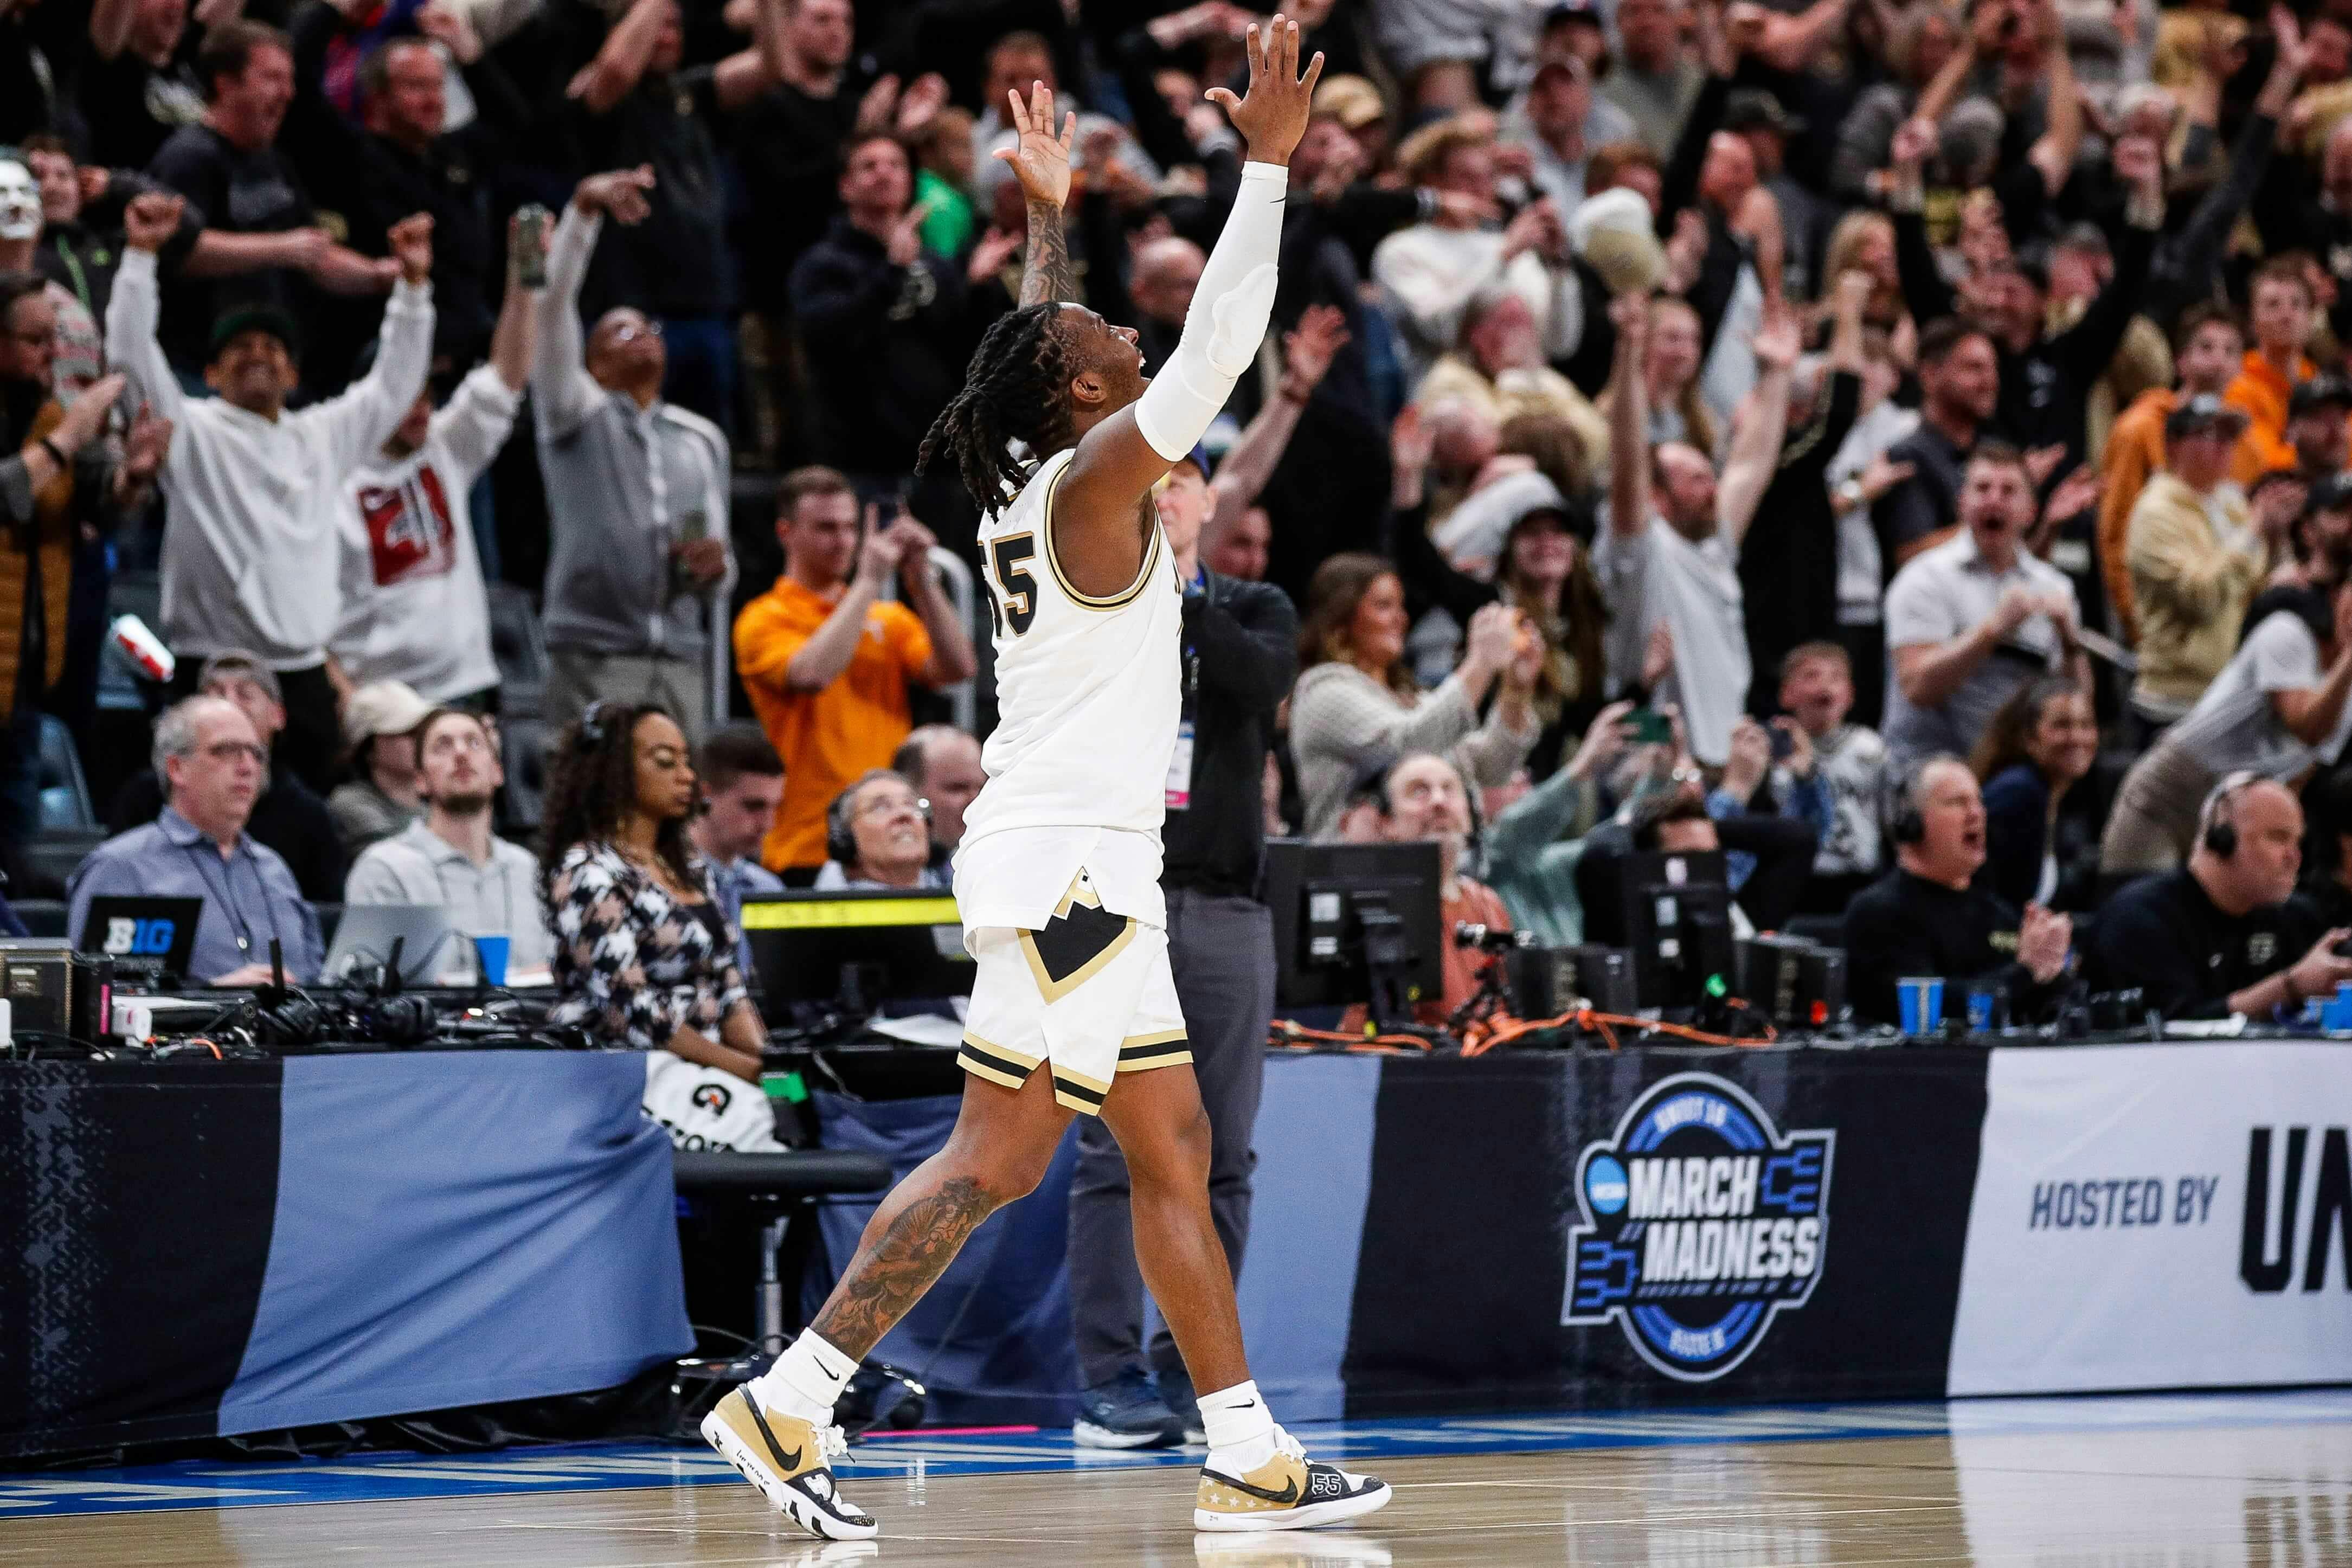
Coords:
pixel 2328 390
pixel 2202 412
pixel 1752 109
pixel 258 317
pixel 2329 492
pixel 1583 11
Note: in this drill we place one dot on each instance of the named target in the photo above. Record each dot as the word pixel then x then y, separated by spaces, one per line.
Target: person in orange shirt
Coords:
pixel 826 661
pixel 2206 346
pixel 2284 307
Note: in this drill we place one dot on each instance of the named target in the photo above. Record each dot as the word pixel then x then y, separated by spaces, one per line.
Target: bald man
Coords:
pixel 1165 273
pixel 2216 936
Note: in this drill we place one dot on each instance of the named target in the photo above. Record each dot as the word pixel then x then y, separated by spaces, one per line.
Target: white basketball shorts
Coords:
pixel 1091 992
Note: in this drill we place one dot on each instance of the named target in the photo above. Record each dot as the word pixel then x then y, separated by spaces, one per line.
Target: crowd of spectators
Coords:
pixel 1902 447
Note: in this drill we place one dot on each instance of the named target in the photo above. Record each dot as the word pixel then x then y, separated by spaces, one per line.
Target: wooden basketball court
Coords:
pixel 2215 1480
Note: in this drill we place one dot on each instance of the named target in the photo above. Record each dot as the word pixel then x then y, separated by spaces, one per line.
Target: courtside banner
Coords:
pixel 1596 1229
pixel 2160 1217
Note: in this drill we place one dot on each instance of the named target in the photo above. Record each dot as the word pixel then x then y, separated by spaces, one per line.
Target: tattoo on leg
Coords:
pixel 1048 275
pixel 886 1280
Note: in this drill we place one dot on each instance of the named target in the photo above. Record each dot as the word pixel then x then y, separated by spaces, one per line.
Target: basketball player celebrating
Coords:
pixel 1072 1007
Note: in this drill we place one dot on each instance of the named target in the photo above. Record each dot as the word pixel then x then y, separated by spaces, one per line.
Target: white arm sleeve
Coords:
pixel 1230 306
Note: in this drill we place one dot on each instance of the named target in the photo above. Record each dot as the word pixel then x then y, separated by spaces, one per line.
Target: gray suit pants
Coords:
pixel 1222 951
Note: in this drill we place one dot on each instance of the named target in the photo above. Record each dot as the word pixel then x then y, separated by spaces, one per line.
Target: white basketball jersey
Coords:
pixel 1088 697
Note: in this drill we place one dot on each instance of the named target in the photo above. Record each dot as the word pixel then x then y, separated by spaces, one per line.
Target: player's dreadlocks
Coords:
pixel 1014 389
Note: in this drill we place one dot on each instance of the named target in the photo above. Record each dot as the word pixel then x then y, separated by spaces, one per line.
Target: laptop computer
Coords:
pixel 363 941
pixel 157 936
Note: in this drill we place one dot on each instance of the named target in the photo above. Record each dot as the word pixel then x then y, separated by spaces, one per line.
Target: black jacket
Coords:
pixel 1788 561
pixel 2163 937
pixel 2046 390
pixel 887 343
pixel 1241 654
pixel 1902 925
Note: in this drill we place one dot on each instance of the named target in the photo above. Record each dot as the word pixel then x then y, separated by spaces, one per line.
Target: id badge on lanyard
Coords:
pixel 1180 769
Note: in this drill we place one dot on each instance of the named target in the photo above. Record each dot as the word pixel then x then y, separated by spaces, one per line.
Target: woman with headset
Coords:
pixel 644 956
pixel 878 834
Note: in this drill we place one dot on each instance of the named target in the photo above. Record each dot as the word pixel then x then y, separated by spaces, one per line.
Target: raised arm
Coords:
pixel 361 419
pixel 620 64
pixel 2052 152
pixel 1756 445
pixel 1307 352
pixel 1120 458
pixel 517 333
pixel 1041 161
pixel 1629 419
pixel 147 223
pixel 562 390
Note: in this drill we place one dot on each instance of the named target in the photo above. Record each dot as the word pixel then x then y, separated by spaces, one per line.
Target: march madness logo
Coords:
pixel 712 1098
pixel 1701 1220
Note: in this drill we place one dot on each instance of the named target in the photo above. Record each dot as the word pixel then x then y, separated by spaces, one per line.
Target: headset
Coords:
pixel 840 841
pixel 2216 832
pixel 591 722
pixel 1910 823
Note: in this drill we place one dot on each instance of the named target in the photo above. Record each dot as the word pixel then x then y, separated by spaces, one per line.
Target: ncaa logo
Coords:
pixel 1700 1222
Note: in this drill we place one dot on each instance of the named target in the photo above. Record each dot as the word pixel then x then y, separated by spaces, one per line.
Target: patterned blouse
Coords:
pixel 632 963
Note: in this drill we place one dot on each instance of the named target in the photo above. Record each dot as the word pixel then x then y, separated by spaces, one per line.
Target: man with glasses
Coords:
pixel 636 491
pixel 213 765
pixel 449 859
pixel 256 486
pixel 878 834
pixel 289 817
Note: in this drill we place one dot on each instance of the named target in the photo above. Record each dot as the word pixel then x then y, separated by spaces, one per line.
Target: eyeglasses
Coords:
pixel 230 751
pixel 630 332
pixel 886 805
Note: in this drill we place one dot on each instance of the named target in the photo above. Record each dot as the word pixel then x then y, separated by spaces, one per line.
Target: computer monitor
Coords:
pixel 861 953
pixel 1678 915
pixel 1355 922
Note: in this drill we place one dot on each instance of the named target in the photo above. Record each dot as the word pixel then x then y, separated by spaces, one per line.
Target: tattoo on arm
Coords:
pixel 888 1278
pixel 1047 275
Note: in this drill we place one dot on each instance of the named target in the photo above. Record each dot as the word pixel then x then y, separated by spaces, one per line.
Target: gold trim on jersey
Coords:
pixel 1053 989
pixel 1118 601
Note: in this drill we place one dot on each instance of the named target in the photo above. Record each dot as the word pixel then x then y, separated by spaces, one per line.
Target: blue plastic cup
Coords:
pixel 1981 1012
pixel 1919 1001
pixel 491 953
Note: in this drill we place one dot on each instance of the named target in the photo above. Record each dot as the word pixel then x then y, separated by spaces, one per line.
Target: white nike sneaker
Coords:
pixel 789 1461
pixel 1288 1491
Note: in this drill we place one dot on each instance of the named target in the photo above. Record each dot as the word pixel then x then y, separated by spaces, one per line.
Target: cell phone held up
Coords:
pixel 1651 728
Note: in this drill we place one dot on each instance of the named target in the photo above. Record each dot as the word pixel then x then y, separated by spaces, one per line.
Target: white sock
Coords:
pixel 806 1380
pixel 1240 1428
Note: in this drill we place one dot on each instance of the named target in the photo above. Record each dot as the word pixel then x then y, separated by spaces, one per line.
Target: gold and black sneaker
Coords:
pixel 789 1461
pixel 1289 1492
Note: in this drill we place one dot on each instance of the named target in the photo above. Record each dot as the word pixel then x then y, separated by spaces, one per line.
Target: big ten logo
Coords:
pixel 129 938
pixel 2267 1253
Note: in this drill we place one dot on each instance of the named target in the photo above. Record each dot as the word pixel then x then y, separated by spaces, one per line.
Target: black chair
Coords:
pixel 775 1187
pixel 520 648
pixel 64 793
pixel 42 917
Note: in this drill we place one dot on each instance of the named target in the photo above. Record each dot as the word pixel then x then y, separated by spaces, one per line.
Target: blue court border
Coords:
pixel 613 1467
